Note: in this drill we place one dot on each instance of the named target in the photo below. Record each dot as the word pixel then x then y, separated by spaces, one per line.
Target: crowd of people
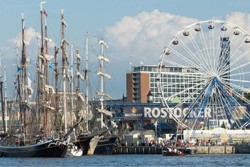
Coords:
pixel 173 143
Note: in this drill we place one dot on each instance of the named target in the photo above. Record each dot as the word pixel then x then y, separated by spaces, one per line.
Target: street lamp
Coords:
pixel 156 124
pixel 149 97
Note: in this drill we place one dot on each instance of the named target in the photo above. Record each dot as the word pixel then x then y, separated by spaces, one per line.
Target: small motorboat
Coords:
pixel 172 152
pixel 76 152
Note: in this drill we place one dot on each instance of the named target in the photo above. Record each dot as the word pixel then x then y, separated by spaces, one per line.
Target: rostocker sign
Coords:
pixel 157 112
pixel 140 112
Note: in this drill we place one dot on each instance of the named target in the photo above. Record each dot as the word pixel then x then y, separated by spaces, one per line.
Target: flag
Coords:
pixel 45 13
pixel 51 66
pixel 18 69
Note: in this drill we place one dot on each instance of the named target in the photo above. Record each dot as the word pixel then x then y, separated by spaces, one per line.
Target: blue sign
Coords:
pixel 133 112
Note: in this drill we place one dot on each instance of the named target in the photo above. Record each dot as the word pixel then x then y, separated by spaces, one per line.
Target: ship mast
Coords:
pixel 64 72
pixel 5 98
pixel 24 95
pixel 78 72
pixel 79 76
pixel 87 79
pixel 79 94
pixel 71 82
pixel 102 74
pixel 48 90
pixel 2 98
pixel 56 84
pixel 40 68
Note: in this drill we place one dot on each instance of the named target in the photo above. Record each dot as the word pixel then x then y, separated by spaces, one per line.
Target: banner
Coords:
pixel 133 112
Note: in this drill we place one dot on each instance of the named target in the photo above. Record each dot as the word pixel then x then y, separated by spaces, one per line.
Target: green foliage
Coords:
pixel 223 125
pixel 247 96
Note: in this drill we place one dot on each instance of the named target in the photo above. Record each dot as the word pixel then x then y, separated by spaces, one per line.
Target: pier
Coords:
pixel 158 150
pixel 215 150
pixel 138 150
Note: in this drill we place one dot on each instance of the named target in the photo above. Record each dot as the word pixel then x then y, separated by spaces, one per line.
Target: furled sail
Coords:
pixel 106 112
pixel 29 90
pixel 49 107
pixel 49 88
pixel 79 75
pixel 48 57
pixel 81 97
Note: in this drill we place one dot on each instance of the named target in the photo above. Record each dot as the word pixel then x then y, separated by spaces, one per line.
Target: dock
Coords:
pixel 215 150
pixel 158 150
pixel 138 150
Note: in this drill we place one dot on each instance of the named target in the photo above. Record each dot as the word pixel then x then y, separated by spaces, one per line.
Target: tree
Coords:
pixel 223 125
pixel 247 96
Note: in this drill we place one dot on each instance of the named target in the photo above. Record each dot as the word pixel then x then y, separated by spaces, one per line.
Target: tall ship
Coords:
pixel 105 142
pixel 29 133
pixel 83 134
pixel 101 140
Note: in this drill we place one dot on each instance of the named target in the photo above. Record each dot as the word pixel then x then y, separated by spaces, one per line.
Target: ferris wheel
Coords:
pixel 204 75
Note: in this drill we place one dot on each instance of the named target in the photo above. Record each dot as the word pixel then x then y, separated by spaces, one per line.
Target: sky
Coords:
pixel 135 30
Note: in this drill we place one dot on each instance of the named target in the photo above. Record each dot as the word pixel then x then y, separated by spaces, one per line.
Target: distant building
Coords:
pixel 142 79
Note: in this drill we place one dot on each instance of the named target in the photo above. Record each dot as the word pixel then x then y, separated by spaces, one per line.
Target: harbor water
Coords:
pixel 205 160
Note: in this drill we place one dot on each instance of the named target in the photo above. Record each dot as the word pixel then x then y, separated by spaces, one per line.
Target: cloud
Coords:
pixel 141 38
pixel 240 19
pixel 30 36
pixel 32 39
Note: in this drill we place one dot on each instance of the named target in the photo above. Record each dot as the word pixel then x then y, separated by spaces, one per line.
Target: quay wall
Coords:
pixel 158 150
pixel 215 150
pixel 138 150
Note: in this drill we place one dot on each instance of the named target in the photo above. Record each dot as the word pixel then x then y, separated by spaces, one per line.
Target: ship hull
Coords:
pixel 105 146
pixel 168 153
pixel 46 149
pixel 83 142
pixel 188 150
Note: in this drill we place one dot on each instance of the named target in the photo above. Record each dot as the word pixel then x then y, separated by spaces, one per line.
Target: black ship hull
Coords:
pixel 188 150
pixel 49 148
pixel 83 142
pixel 105 146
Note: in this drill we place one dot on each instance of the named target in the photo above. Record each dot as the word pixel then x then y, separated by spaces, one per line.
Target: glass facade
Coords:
pixel 180 82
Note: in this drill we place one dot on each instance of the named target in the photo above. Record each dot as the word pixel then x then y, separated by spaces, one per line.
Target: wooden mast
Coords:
pixel 71 84
pixel 24 96
pixel 87 79
pixel 56 86
pixel 2 106
pixel 47 95
pixel 2 99
pixel 19 99
pixel 78 70
pixel 40 68
pixel 5 98
pixel 64 72
pixel 78 60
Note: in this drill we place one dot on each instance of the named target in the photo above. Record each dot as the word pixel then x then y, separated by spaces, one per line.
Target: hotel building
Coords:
pixel 142 80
